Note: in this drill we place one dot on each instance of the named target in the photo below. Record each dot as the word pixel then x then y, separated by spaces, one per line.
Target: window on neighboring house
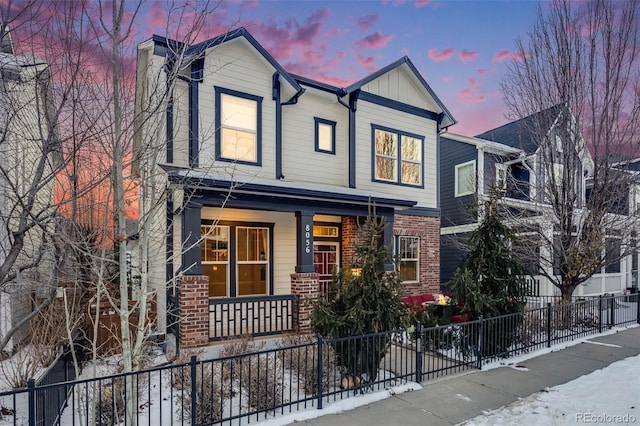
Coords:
pixel 501 176
pixel 238 126
pixel 558 172
pixel 397 156
pixel 612 251
pixel 325 136
pixel 408 249
pixel 237 259
pixel 465 178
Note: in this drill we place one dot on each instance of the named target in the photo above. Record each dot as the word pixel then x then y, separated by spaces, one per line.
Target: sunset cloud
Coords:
pixel 422 3
pixel 443 55
pixel 365 23
pixel 367 62
pixel 282 41
pixel 471 94
pixel 504 54
pixel 468 55
pixel 373 41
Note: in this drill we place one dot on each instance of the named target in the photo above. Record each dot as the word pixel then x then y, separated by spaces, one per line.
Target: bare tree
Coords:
pixel 577 79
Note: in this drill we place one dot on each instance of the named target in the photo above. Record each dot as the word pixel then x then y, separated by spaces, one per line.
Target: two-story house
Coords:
pixel 265 176
pixel 29 154
pixel 513 160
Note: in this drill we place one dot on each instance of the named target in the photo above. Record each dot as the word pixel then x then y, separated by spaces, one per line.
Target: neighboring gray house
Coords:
pixel 510 159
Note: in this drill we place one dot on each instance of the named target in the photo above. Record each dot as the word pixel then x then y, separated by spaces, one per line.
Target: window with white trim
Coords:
pixel 397 156
pixel 501 176
pixel 409 258
pixel 465 178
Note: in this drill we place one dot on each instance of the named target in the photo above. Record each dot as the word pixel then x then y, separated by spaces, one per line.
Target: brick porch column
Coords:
pixel 193 311
pixel 306 285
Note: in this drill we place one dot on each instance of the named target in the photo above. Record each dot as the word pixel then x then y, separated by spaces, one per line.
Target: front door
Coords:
pixel 326 259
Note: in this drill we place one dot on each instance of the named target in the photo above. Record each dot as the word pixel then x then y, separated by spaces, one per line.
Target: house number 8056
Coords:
pixel 307 238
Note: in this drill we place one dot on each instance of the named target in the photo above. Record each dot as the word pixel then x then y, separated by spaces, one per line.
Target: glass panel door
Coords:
pixel 252 260
pixel 214 250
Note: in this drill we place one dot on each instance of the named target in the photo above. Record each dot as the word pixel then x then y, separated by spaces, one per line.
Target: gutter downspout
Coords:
pixel 279 104
pixel 352 107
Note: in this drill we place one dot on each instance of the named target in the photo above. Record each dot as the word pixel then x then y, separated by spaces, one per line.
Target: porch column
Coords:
pixel 307 287
pixel 191 235
pixel 193 311
pixel 304 249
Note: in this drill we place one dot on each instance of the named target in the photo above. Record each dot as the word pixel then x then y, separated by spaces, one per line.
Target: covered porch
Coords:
pixel 255 250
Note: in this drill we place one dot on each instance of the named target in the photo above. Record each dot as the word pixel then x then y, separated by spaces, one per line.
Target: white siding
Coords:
pixel 368 114
pixel 236 66
pixel 399 85
pixel 300 160
pixel 284 239
pixel 181 123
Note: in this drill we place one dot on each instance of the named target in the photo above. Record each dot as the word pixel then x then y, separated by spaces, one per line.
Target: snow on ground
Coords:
pixel 607 396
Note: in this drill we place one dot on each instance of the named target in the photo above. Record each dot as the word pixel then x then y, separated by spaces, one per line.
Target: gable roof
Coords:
pixel 198 49
pixel 521 133
pixel 448 119
pixel 295 81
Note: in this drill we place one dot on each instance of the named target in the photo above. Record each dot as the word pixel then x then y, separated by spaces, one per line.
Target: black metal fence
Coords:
pixel 308 372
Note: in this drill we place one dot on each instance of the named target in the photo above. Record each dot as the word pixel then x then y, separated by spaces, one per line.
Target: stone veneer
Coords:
pixel 306 286
pixel 428 229
pixel 193 311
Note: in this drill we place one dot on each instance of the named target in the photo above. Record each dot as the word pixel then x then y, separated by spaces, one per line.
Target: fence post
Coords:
pixel 31 387
pixel 194 389
pixel 549 323
pixel 419 349
pixel 612 305
pixel 600 313
pixel 320 372
pixel 480 343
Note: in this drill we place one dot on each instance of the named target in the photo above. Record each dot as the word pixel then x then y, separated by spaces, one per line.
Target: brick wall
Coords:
pixel 428 229
pixel 193 311
pixel 352 237
pixel 306 286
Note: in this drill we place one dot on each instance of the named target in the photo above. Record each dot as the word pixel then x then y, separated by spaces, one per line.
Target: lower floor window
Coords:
pixel 408 249
pixel 237 259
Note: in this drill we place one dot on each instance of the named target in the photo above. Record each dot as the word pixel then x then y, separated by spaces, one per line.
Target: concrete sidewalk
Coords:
pixel 454 399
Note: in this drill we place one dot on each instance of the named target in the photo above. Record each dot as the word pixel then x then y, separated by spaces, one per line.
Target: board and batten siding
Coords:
pixel 398 86
pixel 300 161
pixel 368 114
pixel 284 239
pixel 236 66
pixel 454 210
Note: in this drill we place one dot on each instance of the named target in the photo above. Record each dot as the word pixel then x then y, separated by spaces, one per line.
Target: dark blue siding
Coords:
pixel 454 210
pixel 451 255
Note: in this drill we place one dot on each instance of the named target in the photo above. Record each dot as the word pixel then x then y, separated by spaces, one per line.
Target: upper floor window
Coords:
pixel 465 178
pixel 238 126
pixel 397 156
pixel 325 136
